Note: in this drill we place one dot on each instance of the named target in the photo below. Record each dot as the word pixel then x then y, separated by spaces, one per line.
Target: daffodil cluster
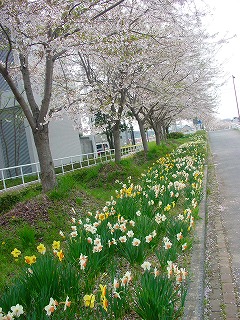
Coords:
pixel 146 228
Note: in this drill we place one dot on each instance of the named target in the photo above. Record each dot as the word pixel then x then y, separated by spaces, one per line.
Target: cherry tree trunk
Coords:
pixel 117 144
pixel 164 133
pixel 47 175
pixel 143 136
pixel 157 136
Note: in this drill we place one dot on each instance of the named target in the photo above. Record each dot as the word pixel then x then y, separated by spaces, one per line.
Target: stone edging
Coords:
pixel 193 309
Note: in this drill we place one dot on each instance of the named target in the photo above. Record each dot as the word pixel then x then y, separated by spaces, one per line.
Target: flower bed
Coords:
pixel 128 260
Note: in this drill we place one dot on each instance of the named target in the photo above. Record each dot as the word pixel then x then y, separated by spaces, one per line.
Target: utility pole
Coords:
pixel 236 98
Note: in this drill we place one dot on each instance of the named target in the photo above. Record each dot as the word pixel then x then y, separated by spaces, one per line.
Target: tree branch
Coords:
pixel 47 87
pixel 18 97
pixel 108 9
pixel 27 85
pixel 10 45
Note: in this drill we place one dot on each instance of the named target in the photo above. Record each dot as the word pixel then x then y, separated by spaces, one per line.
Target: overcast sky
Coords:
pixel 225 19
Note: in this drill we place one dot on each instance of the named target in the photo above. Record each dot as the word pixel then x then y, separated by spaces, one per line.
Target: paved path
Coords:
pixel 223 228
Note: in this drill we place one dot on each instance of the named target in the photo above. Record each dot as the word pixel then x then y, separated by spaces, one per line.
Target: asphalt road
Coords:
pixel 225 147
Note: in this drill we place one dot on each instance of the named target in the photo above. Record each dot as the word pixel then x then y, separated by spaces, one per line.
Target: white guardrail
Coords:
pixel 28 173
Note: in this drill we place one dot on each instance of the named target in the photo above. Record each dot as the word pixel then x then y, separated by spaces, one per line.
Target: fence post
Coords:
pixel 62 166
pixel 87 160
pixel 3 179
pixel 21 170
pixel 80 162
pixel 38 170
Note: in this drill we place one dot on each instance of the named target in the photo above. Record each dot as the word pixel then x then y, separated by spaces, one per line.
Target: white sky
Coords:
pixel 225 19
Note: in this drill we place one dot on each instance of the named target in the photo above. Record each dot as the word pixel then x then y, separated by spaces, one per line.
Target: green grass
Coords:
pixel 86 190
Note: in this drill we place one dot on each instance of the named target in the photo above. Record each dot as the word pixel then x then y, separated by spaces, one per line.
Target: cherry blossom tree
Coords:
pixel 38 34
pixel 102 55
pixel 115 68
pixel 184 83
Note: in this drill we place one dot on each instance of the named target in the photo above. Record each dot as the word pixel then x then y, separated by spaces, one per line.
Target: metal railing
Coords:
pixel 15 176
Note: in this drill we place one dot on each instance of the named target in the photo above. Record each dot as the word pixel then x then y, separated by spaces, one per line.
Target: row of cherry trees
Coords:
pixel 149 59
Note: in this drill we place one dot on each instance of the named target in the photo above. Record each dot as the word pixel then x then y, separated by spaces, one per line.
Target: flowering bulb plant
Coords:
pixel 120 258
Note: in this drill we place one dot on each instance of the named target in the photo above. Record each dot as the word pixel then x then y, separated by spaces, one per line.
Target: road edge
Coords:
pixel 194 304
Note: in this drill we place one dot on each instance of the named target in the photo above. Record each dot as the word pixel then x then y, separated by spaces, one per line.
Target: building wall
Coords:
pixel 13 143
pixel 64 140
pixel 86 145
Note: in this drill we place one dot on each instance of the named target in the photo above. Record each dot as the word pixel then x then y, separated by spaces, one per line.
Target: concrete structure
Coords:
pixel 16 139
pixel 17 146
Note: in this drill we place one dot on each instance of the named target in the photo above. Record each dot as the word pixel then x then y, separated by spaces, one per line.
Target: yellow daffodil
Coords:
pixel 101 216
pixel 41 248
pixel 56 245
pixel 30 259
pixel 16 253
pixel 103 290
pixel 60 255
pixel 167 208
pixel 89 300
pixel 105 303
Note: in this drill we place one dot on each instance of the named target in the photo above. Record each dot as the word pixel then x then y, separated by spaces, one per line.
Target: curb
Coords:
pixel 194 304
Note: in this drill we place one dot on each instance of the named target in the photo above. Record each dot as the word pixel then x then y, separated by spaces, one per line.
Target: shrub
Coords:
pixel 175 135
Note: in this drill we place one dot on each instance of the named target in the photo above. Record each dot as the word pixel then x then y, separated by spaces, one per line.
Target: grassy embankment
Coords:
pixel 38 219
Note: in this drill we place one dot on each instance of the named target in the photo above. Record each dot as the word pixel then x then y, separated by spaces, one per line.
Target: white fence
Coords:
pixel 28 173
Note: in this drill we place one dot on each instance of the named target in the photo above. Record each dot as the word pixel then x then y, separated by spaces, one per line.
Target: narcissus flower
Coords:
pixel 103 290
pixel 73 234
pixel 136 242
pixel 16 253
pixel 41 248
pixel 83 261
pixel 56 245
pixel 61 234
pixel 17 310
pixel 89 300
pixel 60 255
pixel 30 259
pixel 101 216
pixel 179 236
pixel 167 208
pixel 115 284
pixel 180 217
pixel 123 239
pixel 138 213
pixel 116 295
pixel 51 307
pixel 67 303
pixel 130 234
pixel 160 218
pixel 29 271
pixel 126 278
pixel 146 265
pixel 132 223
pixel 156 272
pixel 167 243
pixel 149 238
pixel 105 303
pixel 89 240
pixel 184 246
pixel 97 248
